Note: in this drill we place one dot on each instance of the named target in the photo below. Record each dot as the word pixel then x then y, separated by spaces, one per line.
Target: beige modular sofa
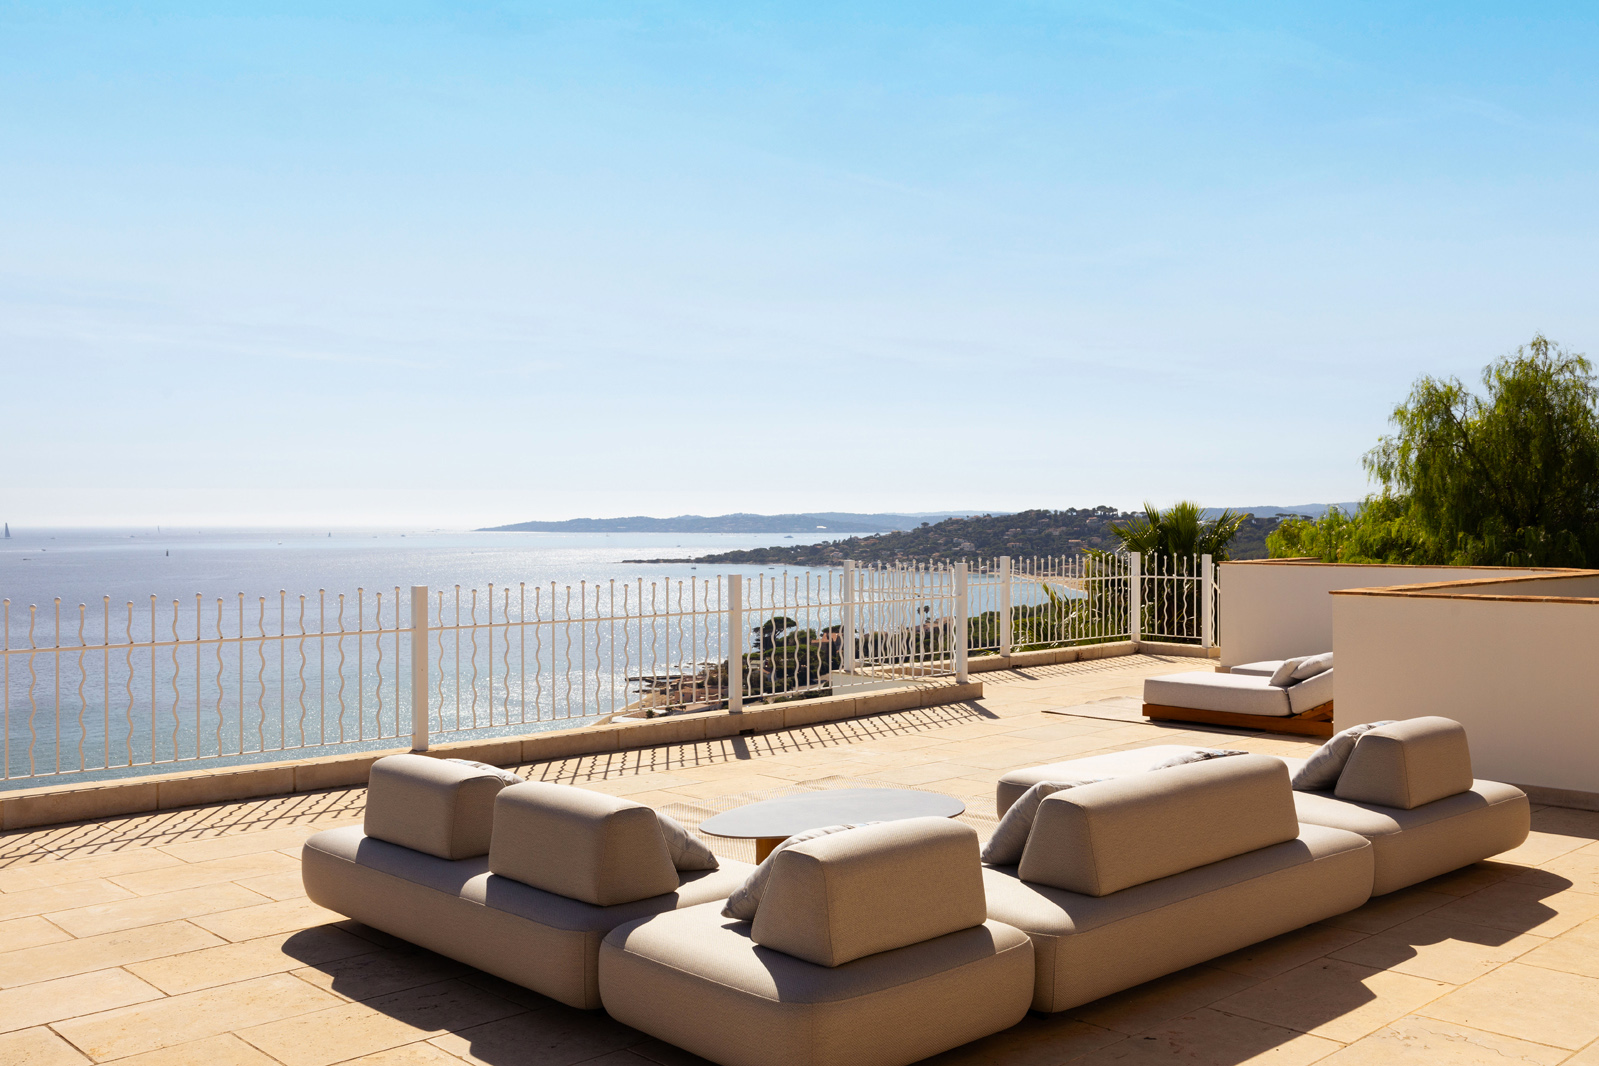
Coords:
pixel 1126 880
pixel 522 881
pixel 1407 788
pixel 1243 700
pixel 870 948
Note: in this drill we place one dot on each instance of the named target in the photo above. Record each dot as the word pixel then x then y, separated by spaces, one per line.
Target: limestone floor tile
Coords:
pixel 1037 1040
pixel 720 787
pixel 1574 951
pixel 1385 912
pixel 114 1034
pixel 38 1047
pixel 1416 1041
pixel 1523 908
pixel 1337 1000
pixel 101 952
pixel 19 933
pixel 239 844
pixel 1468 879
pixel 1539 848
pixel 354 1029
pixel 224 1050
pixel 420 1053
pixel 279 886
pixel 265 919
pixel 1526 1002
pixel 555 1036
pixel 1579 825
pixel 1162 999
pixel 149 910
pixel 279 953
pixel 1282 953
pixel 1577 870
pixel 65 871
pixel 924 773
pixel 1440 949
pixel 59 897
pixel 197 874
pixel 1210 1038
pixel 1588 1056
pixel 68 997
pixel 378 973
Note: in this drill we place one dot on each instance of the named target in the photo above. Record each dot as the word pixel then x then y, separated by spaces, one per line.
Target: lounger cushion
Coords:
pixel 1411 846
pixel 1408 764
pixel 697 980
pixel 1234 693
pixel 1112 764
pixel 434 806
pixel 584 845
pixel 1264 668
pixel 1283 676
pixel 1311 665
pixel 842 897
pixel 1312 693
pixel 1087 947
pixel 533 938
pixel 1106 837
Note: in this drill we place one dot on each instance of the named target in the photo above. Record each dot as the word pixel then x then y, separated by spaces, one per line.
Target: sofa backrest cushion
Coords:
pixel 1407 764
pixel 579 844
pixel 1105 837
pixel 875 888
pixel 443 808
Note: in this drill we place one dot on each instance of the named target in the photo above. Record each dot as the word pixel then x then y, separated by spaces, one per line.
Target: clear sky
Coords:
pixel 470 263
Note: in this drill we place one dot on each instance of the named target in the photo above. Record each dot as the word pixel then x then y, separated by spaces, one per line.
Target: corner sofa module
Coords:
pixel 1129 879
pixel 1408 789
pixel 523 887
pixel 870 947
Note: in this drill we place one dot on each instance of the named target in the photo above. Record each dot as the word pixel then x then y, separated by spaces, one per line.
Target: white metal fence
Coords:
pixel 126 688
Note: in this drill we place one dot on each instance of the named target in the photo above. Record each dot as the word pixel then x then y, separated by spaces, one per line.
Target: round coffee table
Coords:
pixel 771 822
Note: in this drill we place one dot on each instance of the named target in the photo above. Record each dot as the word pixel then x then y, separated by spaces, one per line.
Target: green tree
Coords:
pixel 1179 532
pixel 1508 478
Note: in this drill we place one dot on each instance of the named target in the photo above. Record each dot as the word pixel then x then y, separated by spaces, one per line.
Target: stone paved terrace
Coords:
pixel 184 937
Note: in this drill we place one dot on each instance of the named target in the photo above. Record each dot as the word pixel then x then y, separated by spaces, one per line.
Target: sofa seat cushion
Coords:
pixel 695 979
pixel 1412 846
pixel 461 910
pixel 1086 947
pixel 1095 767
pixel 1233 693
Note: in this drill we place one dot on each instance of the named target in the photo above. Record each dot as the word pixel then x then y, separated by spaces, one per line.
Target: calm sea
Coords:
pixel 82 566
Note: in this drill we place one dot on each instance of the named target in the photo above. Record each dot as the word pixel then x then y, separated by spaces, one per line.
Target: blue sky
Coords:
pixel 458 264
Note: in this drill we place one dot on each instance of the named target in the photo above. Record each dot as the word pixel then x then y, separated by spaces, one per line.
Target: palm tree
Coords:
pixel 1170 543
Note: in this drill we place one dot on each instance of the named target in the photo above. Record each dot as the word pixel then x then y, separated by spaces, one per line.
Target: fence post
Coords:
pixel 1207 603
pixel 960 623
pixel 1135 593
pixel 1004 605
pixel 735 650
pixel 419 668
pixel 847 636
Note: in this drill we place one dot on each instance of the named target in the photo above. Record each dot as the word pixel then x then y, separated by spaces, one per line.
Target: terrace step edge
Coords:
pixel 53 805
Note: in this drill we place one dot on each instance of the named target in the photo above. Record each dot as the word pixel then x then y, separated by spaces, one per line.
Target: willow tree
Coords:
pixel 1510 477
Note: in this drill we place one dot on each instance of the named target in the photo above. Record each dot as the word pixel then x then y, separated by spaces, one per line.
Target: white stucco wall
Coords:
pixel 1271 609
pixel 1522 677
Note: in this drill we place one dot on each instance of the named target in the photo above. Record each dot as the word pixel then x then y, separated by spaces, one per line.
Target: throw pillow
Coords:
pixel 1197 755
pixel 743 903
pixel 1285 673
pixel 503 774
pixel 687 850
pixel 1312 665
pixel 1005 847
pixel 1321 770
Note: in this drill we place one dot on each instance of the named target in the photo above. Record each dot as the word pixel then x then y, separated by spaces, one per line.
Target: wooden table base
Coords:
pixel 764 846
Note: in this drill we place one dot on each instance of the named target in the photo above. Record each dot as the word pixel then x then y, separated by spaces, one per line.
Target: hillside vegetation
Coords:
pixel 1026 533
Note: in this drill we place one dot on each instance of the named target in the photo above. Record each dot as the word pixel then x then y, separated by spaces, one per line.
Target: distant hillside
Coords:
pixel 1024 533
pixel 831 521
